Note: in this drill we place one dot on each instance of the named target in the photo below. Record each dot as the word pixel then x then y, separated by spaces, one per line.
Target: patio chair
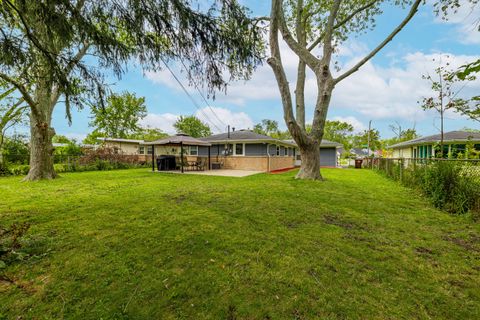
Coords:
pixel 201 164
pixel 183 161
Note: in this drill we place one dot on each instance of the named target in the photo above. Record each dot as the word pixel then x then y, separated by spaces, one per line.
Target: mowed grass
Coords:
pixel 135 245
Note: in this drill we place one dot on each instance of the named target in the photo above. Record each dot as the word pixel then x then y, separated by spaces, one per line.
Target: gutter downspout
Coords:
pixel 268 156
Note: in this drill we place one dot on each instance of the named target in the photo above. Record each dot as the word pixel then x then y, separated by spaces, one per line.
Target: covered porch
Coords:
pixel 179 153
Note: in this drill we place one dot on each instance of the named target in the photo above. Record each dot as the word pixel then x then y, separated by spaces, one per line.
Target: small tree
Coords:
pixel 445 97
pixel 339 131
pixel 148 134
pixel 192 126
pixel 362 140
pixel 120 117
pixel 12 112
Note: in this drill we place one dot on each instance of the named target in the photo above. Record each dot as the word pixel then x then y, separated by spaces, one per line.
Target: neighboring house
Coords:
pixel 127 146
pixel 361 152
pixel 330 152
pixel 454 142
pixel 247 150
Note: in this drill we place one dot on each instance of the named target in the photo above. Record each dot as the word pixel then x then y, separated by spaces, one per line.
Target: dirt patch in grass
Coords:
pixel 177 198
pixel 471 244
pixel 342 223
pixel 422 251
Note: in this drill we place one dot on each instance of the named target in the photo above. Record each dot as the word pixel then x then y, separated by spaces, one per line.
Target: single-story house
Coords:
pixel 242 149
pixel 454 142
pixel 247 150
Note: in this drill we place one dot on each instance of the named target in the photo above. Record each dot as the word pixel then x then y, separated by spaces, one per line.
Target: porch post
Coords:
pixel 181 155
pixel 209 162
pixel 153 157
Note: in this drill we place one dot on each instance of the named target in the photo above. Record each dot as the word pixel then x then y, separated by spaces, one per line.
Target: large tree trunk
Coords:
pixel 41 134
pixel 310 168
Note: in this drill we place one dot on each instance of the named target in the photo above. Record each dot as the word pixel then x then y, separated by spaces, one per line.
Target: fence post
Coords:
pixel 401 170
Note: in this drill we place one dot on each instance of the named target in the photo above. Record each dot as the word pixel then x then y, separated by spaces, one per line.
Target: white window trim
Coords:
pixel 190 150
pixel 235 150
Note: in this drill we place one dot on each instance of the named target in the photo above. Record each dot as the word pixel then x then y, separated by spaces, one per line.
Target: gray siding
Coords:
pixel 255 149
pixel 328 157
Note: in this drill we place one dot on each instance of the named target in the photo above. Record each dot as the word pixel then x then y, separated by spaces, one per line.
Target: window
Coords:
pixel 141 150
pixel 286 151
pixel 239 149
pixel 228 150
pixel 278 150
pixel 193 150
pixel 150 150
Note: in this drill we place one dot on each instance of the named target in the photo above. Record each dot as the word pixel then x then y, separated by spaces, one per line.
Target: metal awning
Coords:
pixel 180 139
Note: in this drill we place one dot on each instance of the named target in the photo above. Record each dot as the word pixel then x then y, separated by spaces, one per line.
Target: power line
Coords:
pixel 188 94
pixel 204 99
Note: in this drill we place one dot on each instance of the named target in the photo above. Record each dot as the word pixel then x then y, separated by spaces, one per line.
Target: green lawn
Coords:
pixel 135 245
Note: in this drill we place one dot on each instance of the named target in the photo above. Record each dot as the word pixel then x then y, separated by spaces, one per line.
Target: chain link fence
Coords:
pixel 452 184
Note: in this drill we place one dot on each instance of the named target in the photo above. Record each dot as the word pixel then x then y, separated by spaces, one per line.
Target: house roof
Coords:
pixel 324 144
pixel 363 152
pixel 448 137
pixel 244 136
pixel 121 140
pixel 180 139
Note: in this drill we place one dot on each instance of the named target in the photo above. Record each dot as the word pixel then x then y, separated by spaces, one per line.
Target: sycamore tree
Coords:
pixel 192 126
pixel 314 30
pixel 58 51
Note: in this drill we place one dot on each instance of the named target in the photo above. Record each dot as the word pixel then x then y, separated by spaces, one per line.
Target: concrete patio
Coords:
pixel 219 172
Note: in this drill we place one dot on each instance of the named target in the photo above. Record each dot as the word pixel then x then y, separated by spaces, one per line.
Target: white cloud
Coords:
pixel 237 120
pixel 358 126
pixel 393 92
pixel 377 92
pixel 76 136
pixel 210 115
pixel 162 121
pixel 466 20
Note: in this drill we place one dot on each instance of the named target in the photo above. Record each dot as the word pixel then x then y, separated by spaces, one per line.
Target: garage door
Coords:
pixel 328 157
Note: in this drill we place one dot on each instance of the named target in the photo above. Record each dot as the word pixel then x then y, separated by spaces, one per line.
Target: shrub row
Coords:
pixel 102 165
pixel 453 186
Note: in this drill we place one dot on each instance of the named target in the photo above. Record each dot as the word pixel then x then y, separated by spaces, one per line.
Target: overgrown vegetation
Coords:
pixel 450 185
pixel 135 245
pixel 101 159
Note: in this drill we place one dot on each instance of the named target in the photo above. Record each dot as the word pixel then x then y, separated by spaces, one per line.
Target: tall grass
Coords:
pixel 453 186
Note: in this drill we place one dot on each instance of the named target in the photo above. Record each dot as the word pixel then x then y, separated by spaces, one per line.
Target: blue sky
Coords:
pixel 385 90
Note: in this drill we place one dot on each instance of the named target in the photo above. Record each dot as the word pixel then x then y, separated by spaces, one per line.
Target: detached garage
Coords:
pixel 329 153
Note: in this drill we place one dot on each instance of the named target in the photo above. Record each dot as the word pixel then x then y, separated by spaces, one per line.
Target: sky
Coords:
pixel 386 90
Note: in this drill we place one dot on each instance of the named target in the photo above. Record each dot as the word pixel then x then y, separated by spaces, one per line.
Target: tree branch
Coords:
pixel 327 42
pixel 28 98
pixel 355 68
pixel 300 86
pixel 299 50
pixel 275 62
